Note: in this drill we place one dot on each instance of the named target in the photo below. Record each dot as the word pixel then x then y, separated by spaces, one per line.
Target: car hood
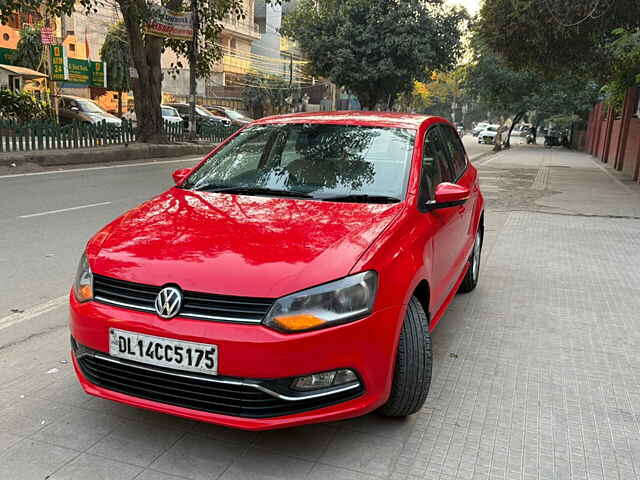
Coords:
pixel 237 244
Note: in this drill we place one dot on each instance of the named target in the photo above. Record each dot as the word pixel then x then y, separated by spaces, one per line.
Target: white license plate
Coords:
pixel 164 352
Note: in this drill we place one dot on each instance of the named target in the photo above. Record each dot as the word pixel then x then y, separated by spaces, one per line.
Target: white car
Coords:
pixel 479 128
pixel 170 114
pixel 488 135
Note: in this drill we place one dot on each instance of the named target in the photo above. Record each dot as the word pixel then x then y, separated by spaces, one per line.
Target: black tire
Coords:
pixel 471 278
pixel 412 375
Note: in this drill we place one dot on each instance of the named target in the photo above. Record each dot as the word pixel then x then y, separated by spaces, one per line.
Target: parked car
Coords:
pixel 83 110
pixel 293 276
pixel 203 116
pixel 479 128
pixel 488 135
pixel 170 114
pixel 235 117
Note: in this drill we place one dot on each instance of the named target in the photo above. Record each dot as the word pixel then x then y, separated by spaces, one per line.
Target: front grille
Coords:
pixel 197 392
pixel 194 304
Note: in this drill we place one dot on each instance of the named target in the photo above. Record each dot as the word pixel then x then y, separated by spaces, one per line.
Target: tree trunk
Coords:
pixel 120 103
pixel 147 88
pixel 517 118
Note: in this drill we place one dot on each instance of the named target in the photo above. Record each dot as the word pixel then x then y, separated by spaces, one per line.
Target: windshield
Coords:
pixel 169 112
pixel 312 159
pixel 89 107
pixel 492 128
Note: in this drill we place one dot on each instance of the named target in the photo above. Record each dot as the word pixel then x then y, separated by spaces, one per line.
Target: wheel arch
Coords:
pixel 422 292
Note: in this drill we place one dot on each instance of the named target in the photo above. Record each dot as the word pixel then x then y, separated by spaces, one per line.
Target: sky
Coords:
pixel 471 5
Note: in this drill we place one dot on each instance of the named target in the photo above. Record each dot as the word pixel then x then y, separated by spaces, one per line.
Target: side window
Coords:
pixel 435 169
pixel 455 151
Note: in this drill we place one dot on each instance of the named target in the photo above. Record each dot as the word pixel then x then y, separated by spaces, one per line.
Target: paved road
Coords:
pixel 536 375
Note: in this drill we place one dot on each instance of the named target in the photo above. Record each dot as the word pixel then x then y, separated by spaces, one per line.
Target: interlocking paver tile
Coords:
pixel 198 458
pixel 92 467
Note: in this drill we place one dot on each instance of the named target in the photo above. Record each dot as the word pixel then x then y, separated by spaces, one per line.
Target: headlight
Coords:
pixel 83 284
pixel 330 304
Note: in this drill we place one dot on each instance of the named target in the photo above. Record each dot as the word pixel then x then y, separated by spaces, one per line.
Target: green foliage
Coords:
pixel 492 81
pixel 625 50
pixel 266 94
pixel 555 36
pixel 23 107
pixel 115 52
pixel 376 48
pixel 29 49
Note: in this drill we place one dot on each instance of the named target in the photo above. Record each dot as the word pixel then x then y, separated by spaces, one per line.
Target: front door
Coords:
pixel 446 222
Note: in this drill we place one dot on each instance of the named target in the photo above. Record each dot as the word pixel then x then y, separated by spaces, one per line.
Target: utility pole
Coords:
pixel 193 67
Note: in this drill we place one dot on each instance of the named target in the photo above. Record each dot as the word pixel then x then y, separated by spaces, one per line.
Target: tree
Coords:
pixel 145 49
pixel 116 54
pixel 29 50
pixel 625 51
pixel 492 81
pixel 553 36
pixel 376 49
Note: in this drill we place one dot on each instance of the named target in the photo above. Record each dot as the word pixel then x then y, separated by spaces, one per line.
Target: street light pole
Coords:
pixel 193 69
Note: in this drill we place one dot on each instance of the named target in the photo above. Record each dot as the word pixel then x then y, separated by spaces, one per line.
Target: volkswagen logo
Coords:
pixel 168 302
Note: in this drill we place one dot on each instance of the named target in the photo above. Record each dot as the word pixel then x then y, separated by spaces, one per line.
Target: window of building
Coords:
pixel 72 47
pixel 5 37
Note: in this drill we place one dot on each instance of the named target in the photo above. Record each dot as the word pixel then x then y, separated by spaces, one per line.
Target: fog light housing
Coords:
pixel 318 381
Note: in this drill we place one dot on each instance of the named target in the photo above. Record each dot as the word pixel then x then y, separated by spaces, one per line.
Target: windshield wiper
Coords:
pixel 362 198
pixel 248 190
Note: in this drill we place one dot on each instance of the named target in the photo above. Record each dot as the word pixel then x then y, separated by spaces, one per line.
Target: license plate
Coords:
pixel 164 352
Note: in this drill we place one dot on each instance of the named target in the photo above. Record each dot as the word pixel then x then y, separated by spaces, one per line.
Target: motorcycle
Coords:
pixel 552 139
pixel 529 138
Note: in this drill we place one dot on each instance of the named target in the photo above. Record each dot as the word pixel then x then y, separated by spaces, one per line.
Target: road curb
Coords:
pixel 107 154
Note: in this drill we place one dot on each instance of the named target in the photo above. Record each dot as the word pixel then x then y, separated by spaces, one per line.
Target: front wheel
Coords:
pixel 471 278
pixel 412 375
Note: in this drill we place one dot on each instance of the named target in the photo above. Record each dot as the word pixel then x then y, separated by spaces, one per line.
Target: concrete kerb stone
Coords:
pixel 115 153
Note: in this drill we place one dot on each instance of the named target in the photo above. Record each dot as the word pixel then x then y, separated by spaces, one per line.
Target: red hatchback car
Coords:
pixel 292 277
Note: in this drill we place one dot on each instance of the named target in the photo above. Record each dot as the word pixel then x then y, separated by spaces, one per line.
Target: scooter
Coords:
pixel 552 139
pixel 529 138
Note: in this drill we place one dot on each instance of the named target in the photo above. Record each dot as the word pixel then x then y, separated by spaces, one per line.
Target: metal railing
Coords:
pixel 25 137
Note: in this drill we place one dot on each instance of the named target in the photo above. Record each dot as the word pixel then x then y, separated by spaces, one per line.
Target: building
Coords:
pixel 227 80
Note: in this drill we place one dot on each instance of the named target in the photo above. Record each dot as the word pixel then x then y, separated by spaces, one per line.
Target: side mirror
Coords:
pixel 75 109
pixel 180 175
pixel 448 195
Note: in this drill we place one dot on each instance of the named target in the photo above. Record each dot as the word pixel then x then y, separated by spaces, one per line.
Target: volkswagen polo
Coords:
pixel 293 276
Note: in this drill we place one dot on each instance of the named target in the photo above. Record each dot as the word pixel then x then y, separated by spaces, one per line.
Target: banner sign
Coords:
pixel 79 71
pixel 168 24
pixel 6 56
pixel 46 36
pixel 98 74
pixel 59 63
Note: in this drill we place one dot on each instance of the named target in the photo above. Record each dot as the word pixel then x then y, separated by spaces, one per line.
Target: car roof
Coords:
pixel 375 119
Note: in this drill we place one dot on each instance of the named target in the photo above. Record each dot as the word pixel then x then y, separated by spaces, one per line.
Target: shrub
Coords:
pixel 23 107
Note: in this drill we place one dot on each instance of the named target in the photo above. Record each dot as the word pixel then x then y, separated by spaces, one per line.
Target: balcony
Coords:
pixel 241 27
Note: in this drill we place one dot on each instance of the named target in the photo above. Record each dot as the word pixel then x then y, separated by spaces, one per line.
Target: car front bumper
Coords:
pixel 248 354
